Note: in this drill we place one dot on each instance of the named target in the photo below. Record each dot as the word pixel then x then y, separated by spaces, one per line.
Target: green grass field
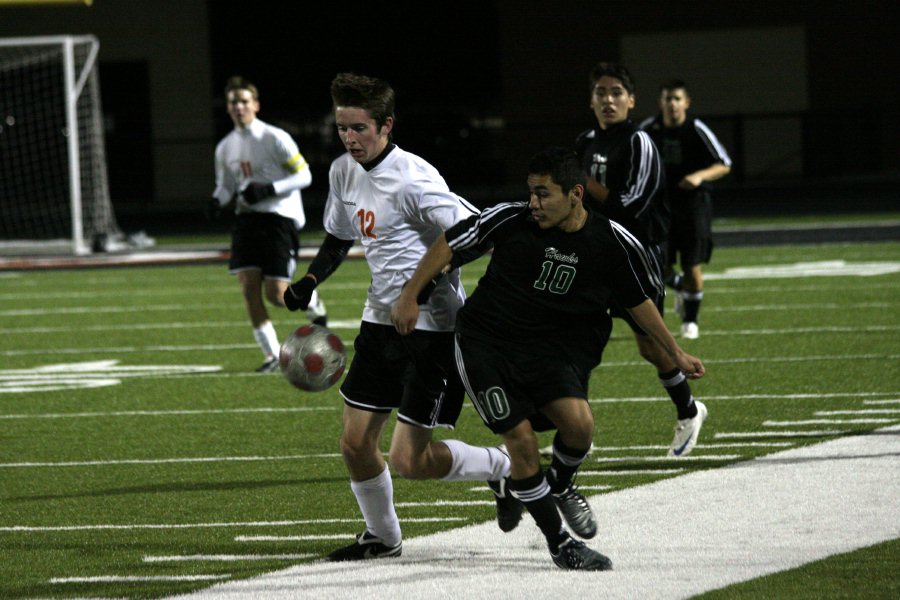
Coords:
pixel 136 441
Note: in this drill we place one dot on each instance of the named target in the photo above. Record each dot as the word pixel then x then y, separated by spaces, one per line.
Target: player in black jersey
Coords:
pixel 626 182
pixel 693 157
pixel 536 325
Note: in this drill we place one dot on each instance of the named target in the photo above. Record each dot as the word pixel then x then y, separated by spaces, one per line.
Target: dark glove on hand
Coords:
pixel 255 192
pixel 212 210
pixel 298 295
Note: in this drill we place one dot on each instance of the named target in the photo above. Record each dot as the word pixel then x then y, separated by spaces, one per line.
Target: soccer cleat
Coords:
pixel 687 431
pixel 270 366
pixel 690 330
pixel 576 511
pixel 316 312
pixel 509 508
pixel 365 547
pixel 573 554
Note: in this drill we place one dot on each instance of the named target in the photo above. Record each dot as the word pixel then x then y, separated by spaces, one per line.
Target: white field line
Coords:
pixel 864 411
pixel 214 411
pixel 850 395
pixel 296 538
pixel 439 503
pixel 200 307
pixel 136 578
pixel 762 516
pixel 691 458
pixel 214 525
pixel 751 434
pixel 594 488
pixel 162 461
pixel 166 413
pixel 224 557
pixel 827 422
pixel 589 473
pixel 699 446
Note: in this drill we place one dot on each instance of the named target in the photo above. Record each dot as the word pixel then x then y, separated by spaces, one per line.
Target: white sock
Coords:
pixel 376 501
pixel 267 339
pixel 475 463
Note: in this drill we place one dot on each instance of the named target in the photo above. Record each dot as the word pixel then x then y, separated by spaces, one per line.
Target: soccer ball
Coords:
pixel 312 358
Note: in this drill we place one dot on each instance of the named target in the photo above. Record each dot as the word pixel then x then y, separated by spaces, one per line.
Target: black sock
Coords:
pixel 692 302
pixel 534 492
pixel 679 391
pixel 565 463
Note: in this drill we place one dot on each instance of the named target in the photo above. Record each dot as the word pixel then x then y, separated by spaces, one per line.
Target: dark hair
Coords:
pixel 239 83
pixel 561 164
pixel 369 93
pixel 673 84
pixel 612 70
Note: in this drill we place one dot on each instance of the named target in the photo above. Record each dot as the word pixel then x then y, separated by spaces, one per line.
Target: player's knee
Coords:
pixel 407 464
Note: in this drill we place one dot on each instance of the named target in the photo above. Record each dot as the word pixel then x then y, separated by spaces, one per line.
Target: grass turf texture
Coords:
pixel 181 463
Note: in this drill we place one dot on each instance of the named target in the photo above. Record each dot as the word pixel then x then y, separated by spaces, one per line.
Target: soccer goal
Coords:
pixel 54 192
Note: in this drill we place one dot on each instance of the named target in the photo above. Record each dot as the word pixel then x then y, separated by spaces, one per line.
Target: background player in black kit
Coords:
pixel 523 349
pixel 626 181
pixel 693 156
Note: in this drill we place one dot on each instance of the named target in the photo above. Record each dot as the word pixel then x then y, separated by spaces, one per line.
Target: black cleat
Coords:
pixel 270 366
pixel 509 508
pixel 573 554
pixel 576 511
pixel 323 321
pixel 365 547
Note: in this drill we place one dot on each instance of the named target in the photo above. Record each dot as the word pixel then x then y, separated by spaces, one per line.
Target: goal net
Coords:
pixel 54 193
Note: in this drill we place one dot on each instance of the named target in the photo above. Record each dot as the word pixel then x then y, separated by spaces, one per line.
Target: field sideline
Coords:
pixel 141 457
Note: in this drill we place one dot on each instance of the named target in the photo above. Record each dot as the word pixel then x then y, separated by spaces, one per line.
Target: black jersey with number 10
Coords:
pixel 548 287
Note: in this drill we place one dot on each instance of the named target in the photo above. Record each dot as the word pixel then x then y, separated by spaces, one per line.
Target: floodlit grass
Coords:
pixel 179 448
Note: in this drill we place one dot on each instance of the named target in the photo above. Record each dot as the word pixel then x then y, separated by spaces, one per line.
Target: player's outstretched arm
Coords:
pixel 405 310
pixel 330 255
pixel 647 316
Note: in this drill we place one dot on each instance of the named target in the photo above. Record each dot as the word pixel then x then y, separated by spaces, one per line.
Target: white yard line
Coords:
pixel 770 514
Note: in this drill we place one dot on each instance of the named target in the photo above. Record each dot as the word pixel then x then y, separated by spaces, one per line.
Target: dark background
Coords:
pixel 480 87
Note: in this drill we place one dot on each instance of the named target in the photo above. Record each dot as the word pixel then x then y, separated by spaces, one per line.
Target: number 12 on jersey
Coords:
pixel 366 223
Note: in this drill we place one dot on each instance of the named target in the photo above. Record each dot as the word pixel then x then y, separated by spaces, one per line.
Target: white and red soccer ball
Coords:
pixel 313 358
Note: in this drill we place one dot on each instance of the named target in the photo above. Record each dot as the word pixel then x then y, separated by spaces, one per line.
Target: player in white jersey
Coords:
pixel 396 205
pixel 260 168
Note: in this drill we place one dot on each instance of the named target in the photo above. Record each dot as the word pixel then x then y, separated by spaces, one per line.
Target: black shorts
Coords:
pixel 508 385
pixel 690 232
pixel 264 241
pixel 413 373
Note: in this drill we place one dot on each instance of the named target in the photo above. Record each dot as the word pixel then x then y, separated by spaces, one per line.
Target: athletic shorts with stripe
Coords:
pixel 413 373
pixel 510 384
pixel 264 241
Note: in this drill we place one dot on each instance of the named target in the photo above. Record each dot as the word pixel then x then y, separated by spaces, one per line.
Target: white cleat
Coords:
pixel 316 312
pixel 690 330
pixel 687 431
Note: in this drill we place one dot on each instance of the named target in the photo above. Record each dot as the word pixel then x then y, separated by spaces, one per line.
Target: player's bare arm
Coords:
pixel 647 316
pixel 405 311
pixel 597 190
pixel 710 173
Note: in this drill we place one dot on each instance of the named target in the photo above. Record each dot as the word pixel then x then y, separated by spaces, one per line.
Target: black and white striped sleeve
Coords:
pixel 478 229
pixel 645 175
pixel 717 151
pixel 638 276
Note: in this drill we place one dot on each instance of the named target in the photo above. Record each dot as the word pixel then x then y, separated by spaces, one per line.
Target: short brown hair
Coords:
pixel 239 83
pixel 369 93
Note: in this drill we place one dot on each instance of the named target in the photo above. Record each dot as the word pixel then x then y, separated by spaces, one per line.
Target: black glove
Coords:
pixel 212 210
pixel 298 295
pixel 255 192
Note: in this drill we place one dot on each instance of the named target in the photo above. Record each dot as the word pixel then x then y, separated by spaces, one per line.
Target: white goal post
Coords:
pixel 54 191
